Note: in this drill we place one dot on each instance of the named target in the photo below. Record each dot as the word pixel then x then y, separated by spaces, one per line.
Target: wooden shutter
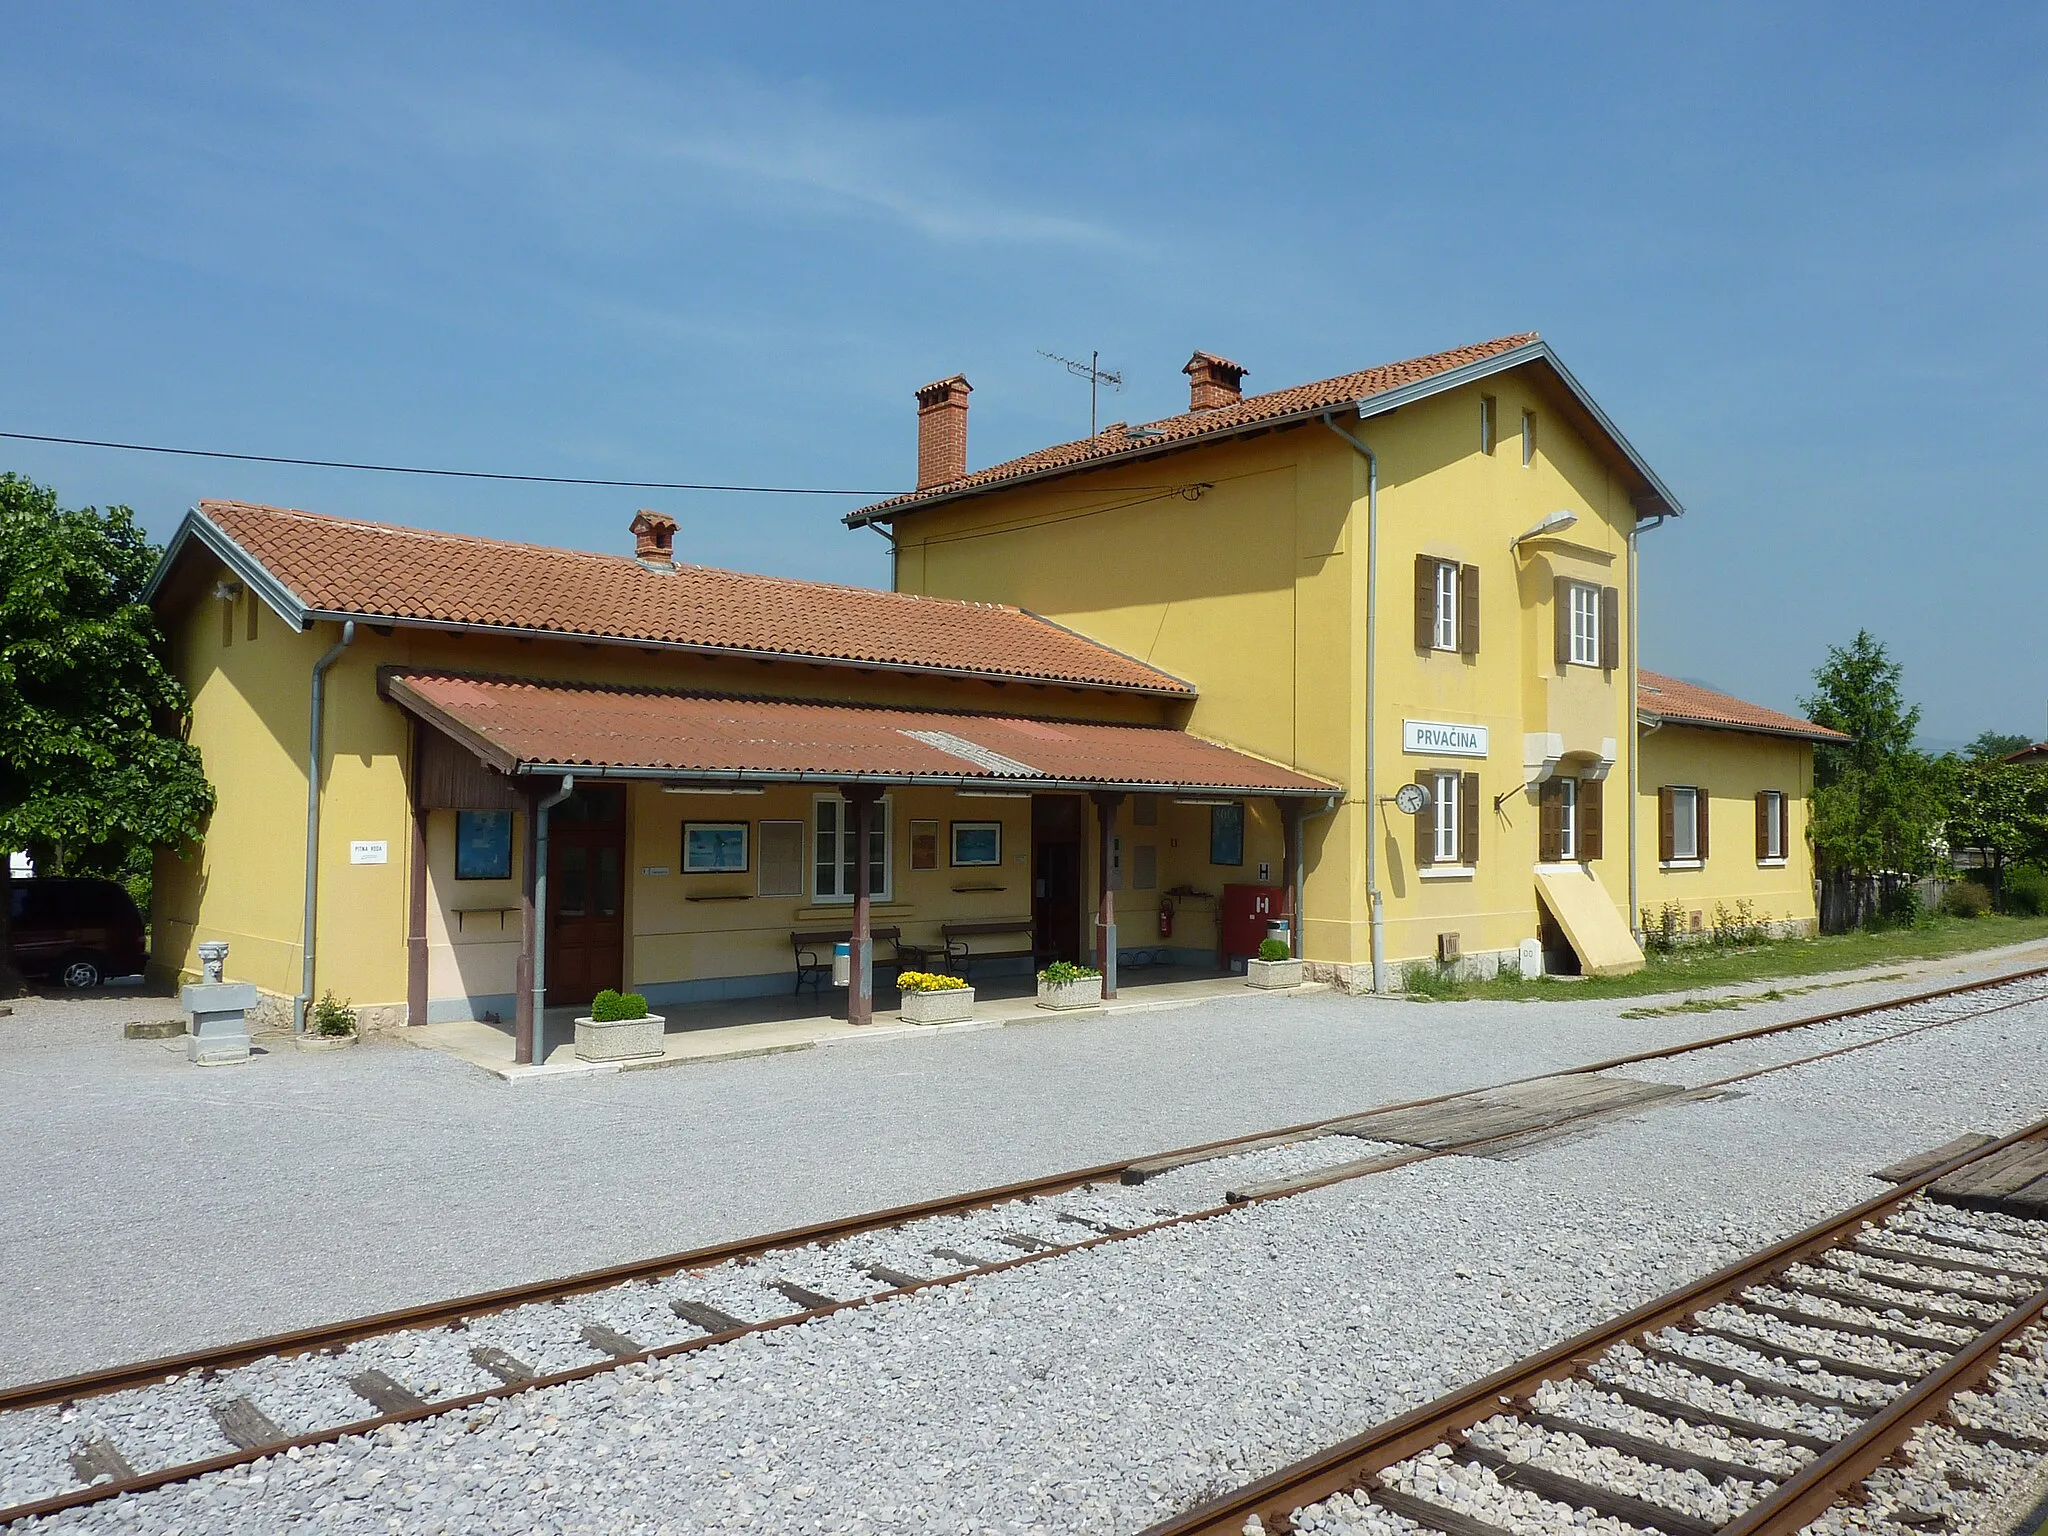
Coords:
pixel 1468 609
pixel 1425 823
pixel 1550 821
pixel 1764 819
pixel 1425 602
pixel 1561 601
pixel 1590 819
pixel 1667 826
pixel 1784 825
pixel 1468 820
pixel 1610 627
pixel 1700 819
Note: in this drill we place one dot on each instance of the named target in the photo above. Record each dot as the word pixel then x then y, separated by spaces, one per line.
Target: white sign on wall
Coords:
pixel 369 853
pixel 1437 738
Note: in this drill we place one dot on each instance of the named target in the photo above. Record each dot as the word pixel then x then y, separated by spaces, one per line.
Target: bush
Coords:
pixel 1061 971
pixel 2025 893
pixel 927 981
pixel 1741 926
pixel 1274 949
pixel 1966 898
pixel 1427 979
pixel 1664 928
pixel 331 1017
pixel 610 1007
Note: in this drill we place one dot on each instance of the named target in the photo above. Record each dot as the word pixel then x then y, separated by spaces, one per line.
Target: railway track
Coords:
pixel 95 1436
pixel 1894 1357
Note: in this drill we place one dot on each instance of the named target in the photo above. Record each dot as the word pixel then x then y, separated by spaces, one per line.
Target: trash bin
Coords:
pixel 842 965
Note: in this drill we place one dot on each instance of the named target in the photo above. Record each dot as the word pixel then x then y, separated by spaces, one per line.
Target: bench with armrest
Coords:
pixel 814 952
pixel 960 938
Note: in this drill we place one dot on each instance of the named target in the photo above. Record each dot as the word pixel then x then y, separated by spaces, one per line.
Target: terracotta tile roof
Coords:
pixel 518 724
pixel 1116 441
pixel 1683 703
pixel 337 565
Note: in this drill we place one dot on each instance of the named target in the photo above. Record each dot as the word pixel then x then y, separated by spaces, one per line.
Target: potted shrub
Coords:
pixel 619 1028
pixel 934 999
pixel 1066 985
pixel 330 1026
pixel 1274 967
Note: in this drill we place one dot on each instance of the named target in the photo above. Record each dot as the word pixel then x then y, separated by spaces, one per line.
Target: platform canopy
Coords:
pixel 527 727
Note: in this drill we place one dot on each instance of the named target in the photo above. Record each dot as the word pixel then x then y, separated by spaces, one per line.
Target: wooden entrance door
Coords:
pixel 586 894
pixel 1056 843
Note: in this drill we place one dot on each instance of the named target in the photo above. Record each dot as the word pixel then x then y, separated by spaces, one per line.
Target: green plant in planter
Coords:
pixel 1063 971
pixel 1274 949
pixel 333 1018
pixel 610 1007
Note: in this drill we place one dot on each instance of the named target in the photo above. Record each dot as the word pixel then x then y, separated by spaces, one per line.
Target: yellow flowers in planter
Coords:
pixel 927 981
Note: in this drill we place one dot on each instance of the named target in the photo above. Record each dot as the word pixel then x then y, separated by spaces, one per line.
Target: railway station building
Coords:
pixel 1358 654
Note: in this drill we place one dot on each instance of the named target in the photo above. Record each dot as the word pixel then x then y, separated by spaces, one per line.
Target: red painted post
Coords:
pixel 860 983
pixel 1105 913
pixel 529 932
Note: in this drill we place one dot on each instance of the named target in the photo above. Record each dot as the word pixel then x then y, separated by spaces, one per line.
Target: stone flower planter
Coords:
pixel 619 1039
pixel 1056 995
pixel 1271 975
pixel 316 1042
pixel 954 1005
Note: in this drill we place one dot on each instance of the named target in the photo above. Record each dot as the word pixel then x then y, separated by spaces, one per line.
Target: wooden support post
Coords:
pixel 1106 804
pixel 416 893
pixel 529 936
pixel 860 983
pixel 1290 867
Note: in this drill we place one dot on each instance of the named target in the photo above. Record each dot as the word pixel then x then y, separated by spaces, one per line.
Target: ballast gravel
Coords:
pixel 1102 1390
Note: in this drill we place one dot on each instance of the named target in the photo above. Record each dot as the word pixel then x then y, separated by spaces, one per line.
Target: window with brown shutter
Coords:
pixel 1550 821
pixel 1561 604
pixel 1468 610
pixel 1425 822
pixel 1764 817
pixel 1589 819
pixel 1699 803
pixel 1425 602
pixel 1468 820
pixel 1773 826
pixel 1610 627
pixel 1784 825
pixel 1667 825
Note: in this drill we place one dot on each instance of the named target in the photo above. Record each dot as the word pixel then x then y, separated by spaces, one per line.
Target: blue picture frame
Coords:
pixel 715 848
pixel 483 845
pixel 977 844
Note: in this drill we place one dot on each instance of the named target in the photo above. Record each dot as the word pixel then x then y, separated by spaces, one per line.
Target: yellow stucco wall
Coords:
pixel 1729 767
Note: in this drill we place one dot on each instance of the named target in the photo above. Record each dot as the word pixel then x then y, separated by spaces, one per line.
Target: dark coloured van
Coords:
pixel 78 932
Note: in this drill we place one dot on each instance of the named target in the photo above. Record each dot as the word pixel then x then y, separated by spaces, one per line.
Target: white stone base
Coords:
pixel 954 1005
pixel 620 1039
pixel 1272 975
pixel 311 1041
pixel 1059 995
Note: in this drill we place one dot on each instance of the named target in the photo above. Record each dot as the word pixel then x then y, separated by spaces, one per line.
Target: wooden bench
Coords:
pixel 959 939
pixel 814 952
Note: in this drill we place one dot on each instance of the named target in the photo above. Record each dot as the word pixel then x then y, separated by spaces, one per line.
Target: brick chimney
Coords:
pixel 654 538
pixel 942 431
pixel 1212 382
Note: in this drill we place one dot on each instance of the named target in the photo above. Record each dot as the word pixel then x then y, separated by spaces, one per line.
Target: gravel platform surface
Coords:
pixel 1103 1390
pixel 154 1207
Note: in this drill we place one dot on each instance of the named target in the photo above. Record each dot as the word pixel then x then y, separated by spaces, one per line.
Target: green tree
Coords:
pixel 1999 812
pixel 95 771
pixel 1992 745
pixel 1879 803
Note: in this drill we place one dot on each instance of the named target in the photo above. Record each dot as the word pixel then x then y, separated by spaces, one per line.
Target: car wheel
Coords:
pixel 81 973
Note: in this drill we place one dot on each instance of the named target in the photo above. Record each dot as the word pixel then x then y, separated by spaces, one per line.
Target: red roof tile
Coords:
pixel 1683 703
pixel 340 566
pixel 1116 441
pixel 518 725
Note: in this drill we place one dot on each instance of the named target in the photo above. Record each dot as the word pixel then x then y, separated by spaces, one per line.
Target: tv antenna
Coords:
pixel 1093 371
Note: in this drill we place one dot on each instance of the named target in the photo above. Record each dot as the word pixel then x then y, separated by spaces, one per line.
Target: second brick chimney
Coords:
pixel 942 431
pixel 1212 382
pixel 654 538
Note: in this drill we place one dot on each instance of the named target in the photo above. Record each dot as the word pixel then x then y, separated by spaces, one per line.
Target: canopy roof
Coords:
pixel 529 727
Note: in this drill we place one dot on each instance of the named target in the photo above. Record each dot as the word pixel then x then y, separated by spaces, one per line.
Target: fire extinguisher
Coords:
pixel 1166 917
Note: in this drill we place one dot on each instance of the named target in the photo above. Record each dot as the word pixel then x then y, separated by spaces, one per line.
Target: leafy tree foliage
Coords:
pixel 1879 802
pixel 94 767
pixel 1992 745
pixel 1999 812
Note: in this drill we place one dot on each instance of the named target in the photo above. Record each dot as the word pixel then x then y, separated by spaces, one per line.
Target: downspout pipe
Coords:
pixel 1635 730
pixel 1372 799
pixel 311 905
pixel 540 911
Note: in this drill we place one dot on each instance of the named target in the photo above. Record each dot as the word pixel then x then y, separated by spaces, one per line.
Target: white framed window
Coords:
pixel 833 848
pixel 1446 636
pixel 1567 819
pixel 1585 622
pixel 1528 438
pixel 1770 827
pixel 1685 824
pixel 1446 795
pixel 1489 411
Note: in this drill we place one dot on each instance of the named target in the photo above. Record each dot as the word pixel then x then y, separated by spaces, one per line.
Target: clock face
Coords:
pixel 1412 798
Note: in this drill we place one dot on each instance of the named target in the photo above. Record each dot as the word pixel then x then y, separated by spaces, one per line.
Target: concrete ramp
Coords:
pixel 1604 945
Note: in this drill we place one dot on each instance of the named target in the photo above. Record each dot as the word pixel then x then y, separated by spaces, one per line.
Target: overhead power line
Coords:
pixel 449 474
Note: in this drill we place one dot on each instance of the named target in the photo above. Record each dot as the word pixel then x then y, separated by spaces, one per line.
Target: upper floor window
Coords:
pixel 1681 825
pixel 1771 826
pixel 1588 624
pixel 1489 412
pixel 1585 626
pixel 1528 438
pixel 1446 606
pixel 1569 823
pixel 837 846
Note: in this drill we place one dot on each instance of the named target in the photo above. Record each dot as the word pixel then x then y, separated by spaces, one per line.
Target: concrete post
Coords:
pixel 1106 805
pixel 860 990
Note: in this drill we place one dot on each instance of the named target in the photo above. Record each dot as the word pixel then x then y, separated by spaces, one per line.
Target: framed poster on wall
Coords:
pixel 977 844
pixel 483 845
pixel 1226 833
pixel 714 847
pixel 924 843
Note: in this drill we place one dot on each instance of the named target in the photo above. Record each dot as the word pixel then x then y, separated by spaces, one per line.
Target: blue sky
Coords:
pixel 1795 251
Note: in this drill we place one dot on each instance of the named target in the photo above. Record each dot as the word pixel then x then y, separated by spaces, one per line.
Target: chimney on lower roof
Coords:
pixel 654 538
pixel 1212 382
pixel 942 431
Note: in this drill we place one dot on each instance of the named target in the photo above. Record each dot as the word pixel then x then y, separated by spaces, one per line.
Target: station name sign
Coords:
pixel 1438 738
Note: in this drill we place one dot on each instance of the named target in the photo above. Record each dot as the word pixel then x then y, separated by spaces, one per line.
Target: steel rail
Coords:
pixel 330 1337
pixel 1353 1463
